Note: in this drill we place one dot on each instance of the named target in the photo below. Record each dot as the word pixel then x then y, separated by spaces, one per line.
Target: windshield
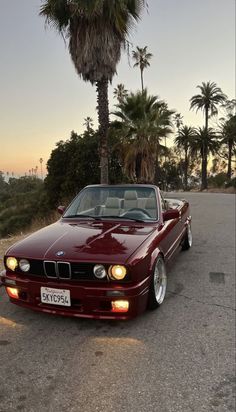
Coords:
pixel 134 203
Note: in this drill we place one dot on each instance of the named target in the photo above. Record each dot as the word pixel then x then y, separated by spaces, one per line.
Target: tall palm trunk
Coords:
pixel 204 152
pixel 103 118
pixel 229 171
pixel 204 164
pixel 204 172
pixel 186 169
pixel 142 79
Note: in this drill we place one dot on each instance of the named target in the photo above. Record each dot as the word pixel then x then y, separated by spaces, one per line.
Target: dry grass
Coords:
pixel 6 243
pixel 37 224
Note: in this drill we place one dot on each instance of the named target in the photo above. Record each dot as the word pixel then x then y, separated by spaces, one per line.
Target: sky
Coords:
pixel 42 98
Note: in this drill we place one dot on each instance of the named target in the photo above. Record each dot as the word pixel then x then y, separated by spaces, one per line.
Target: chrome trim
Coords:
pixel 9 282
pixel 56 272
pixel 64 263
pixel 57 267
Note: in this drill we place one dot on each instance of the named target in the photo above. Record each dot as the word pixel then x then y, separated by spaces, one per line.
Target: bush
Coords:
pixel 21 202
pixel 231 183
pixel 219 181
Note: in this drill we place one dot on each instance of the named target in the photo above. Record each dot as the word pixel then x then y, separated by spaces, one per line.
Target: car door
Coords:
pixel 170 232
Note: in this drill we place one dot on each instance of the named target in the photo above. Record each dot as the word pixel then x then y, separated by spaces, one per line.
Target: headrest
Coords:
pixel 130 195
pixel 151 203
pixel 113 202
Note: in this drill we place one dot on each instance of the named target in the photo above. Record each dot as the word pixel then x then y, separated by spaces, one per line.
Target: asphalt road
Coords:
pixel 178 358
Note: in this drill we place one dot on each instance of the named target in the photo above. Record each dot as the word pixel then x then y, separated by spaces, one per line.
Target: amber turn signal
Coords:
pixel 12 292
pixel 120 306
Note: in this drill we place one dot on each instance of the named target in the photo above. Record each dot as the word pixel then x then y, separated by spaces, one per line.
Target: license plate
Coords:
pixel 55 296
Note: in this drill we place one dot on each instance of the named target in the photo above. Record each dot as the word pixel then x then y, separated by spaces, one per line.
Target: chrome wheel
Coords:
pixel 160 281
pixel 190 236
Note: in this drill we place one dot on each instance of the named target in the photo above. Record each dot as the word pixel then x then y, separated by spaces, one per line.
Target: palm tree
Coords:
pixel 41 167
pixel 228 139
pixel 120 92
pixel 97 30
pixel 205 142
pixel 141 57
pixel 184 140
pixel 178 120
pixel 144 121
pixel 211 95
pixel 88 123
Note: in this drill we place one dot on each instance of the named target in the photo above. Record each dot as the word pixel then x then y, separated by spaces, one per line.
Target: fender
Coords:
pixel 154 256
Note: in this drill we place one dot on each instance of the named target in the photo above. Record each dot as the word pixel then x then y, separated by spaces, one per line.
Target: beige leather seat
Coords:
pixel 151 207
pixel 130 199
pixel 112 207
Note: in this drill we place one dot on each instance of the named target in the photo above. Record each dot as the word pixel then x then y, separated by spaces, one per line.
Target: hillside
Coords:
pixel 5 244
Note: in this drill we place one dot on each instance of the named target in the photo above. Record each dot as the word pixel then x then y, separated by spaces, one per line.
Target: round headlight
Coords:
pixel 24 265
pixel 11 263
pixel 117 272
pixel 99 271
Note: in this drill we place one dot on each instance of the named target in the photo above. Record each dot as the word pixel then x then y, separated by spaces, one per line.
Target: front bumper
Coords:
pixel 88 300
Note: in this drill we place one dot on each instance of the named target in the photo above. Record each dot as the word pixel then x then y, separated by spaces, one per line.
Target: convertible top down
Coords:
pixel 106 256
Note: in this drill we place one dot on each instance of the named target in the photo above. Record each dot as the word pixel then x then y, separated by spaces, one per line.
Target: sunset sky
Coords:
pixel 42 99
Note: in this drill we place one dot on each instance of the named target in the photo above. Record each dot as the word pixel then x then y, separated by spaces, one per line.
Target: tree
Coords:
pixel 88 123
pixel 141 57
pixel 227 129
pixel 73 164
pixel 120 92
pixel 184 140
pixel 228 139
pixel 143 121
pixel 97 30
pixel 211 95
pixel 205 142
pixel 178 120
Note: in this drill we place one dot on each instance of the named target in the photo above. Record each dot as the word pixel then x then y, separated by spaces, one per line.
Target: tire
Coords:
pixel 188 239
pixel 158 285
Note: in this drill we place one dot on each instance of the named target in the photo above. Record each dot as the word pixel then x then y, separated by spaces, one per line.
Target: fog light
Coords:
pixel 120 305
pixel 13 292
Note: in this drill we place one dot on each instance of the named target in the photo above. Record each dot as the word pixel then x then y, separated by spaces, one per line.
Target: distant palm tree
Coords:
pixel 141 57
pixel 228 139
pixel 206 142
pixel 120 92
pixel 88 123
pixel 211 95
pixel 178 120
pixel 185 140
pixel 97 30
pixel 41 167
pixel 144 121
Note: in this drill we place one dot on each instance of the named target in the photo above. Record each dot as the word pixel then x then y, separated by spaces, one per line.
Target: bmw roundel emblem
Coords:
pixel 60 253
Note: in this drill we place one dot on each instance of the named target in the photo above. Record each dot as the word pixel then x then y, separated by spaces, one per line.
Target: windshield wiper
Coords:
pixel 81 215
pixel 122 217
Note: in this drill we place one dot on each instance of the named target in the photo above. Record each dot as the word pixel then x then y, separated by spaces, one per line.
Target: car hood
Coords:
pixel 84 241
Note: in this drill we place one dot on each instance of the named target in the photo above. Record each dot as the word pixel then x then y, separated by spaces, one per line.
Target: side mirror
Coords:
pixel 61 209
pixel 170 214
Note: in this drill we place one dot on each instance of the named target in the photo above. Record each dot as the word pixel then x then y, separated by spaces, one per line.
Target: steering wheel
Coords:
pixel 138 209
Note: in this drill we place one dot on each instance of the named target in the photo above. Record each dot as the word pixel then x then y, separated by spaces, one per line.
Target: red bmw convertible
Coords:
pixel 105 258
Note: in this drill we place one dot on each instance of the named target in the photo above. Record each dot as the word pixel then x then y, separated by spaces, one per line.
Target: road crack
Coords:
pixel 199 301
